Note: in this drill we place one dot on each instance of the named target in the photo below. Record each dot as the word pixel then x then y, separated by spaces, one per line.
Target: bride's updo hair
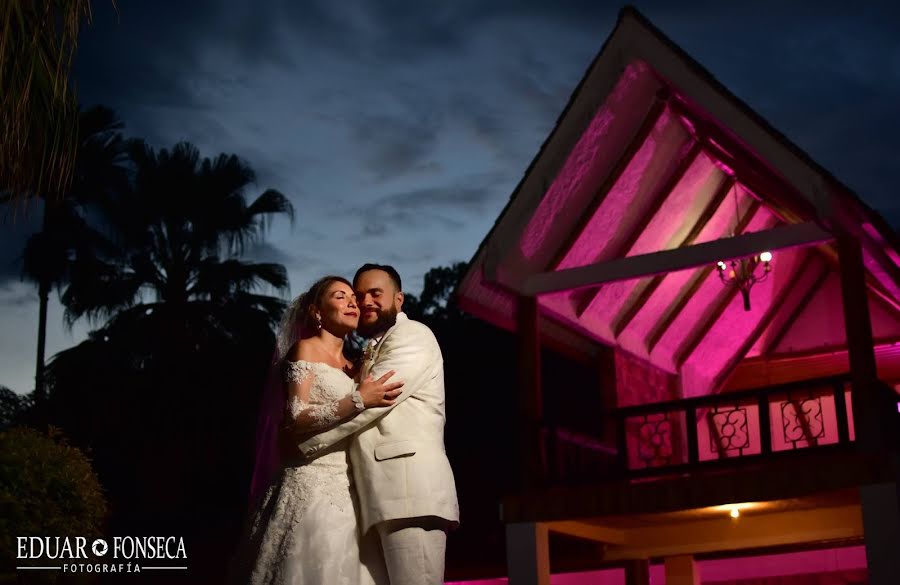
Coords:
pixel 299 319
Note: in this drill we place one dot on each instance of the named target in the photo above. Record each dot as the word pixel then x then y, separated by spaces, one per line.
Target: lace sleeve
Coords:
pixel 308 414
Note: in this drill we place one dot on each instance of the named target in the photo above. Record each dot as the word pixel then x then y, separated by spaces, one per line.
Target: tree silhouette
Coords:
pixel 165 390
pixel 13 407
pixel 65 233
pixel 180 229
pixel 437 302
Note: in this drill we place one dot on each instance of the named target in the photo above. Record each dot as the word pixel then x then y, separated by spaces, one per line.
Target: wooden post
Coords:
pixel 607 383
pixel 637 572
pixel 872 415
pixel 531 400
pixel 682 570
pixel 527 553
pixel 881 524
pixel 860 346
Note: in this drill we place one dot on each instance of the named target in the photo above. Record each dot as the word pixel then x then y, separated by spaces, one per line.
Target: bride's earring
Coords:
pixel 319 322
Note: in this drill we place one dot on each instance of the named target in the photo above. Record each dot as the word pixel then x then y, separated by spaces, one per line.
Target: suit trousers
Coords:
pixel 414 550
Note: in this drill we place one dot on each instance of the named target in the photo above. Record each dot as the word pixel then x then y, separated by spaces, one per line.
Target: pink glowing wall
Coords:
pixel 821 324
pixel 718 349
pixel 711 291
pixel 849 561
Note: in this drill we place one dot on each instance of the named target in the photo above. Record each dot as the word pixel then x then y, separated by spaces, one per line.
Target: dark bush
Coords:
pixel 47 488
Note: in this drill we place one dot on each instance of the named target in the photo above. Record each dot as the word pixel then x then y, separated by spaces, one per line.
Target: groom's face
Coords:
pixel 379 302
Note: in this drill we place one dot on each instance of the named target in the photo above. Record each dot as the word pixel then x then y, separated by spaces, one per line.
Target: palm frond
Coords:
pixel 38 113
pixel 99 290
pixel 224 279
pixel 270 202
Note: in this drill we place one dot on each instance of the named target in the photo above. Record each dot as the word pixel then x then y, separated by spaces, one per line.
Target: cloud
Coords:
pixel 422 209
pixel 396 144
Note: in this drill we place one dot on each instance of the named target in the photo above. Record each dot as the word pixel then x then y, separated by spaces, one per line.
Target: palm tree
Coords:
pixel 180 229
pixel 38 112
pixel 171 376
pixel 65 232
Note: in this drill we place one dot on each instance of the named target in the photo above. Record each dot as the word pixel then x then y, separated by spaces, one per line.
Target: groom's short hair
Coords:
pixel 390 270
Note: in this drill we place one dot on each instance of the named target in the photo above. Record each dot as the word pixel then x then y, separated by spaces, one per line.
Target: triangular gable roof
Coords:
pixel 653 154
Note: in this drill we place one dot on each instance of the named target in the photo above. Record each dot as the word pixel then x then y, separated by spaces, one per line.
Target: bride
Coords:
pixel 304 527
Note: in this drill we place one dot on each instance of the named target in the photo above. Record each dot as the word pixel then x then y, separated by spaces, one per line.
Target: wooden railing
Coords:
pixel 663 437
pixel 696 433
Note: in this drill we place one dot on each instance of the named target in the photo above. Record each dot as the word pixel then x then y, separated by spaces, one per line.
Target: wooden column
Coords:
pixel 858 324
pixel 881 523
pixel 608 384
pixel 682 570
pixel 873 415
pixel 637 572
pixel 527 553
pixel 532 453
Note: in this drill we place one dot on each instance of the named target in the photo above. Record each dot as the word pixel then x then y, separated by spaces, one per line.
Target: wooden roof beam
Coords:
pixel 789 236
pixel 687 292
pixel 638 301
pixel 786 200
pixel 582 302
pixel 644 130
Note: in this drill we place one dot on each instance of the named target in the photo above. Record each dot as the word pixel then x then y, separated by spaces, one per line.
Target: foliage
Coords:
pixel 13 407
pixel 47 488
pixel 180 228
pixel 98 173
pixel 38 114
pixel 66 234
pixel 164 393
pixel 437 302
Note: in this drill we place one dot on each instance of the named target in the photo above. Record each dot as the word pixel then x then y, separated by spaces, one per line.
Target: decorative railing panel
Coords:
pixel 656 439
pixel 733 426
pixel 728 429
pixel 684 436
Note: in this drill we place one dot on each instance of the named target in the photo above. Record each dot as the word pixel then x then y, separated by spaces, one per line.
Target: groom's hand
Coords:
pixel 380 392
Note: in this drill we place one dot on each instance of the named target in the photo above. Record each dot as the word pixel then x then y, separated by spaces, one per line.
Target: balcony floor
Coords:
pixel 804 499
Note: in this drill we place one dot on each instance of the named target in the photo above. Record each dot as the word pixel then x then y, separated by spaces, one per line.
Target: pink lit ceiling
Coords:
pixel 652 154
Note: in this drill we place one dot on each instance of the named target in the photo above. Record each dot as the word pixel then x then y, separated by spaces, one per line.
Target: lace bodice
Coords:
pixel 323 385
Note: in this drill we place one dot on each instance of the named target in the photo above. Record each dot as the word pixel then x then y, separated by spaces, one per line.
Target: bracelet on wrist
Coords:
pixel 357 399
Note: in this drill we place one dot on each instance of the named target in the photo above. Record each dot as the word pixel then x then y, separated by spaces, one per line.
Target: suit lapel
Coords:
pixel 377 354
pixel 369 364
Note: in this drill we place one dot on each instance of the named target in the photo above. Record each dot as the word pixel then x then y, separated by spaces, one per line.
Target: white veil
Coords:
pixel 271 408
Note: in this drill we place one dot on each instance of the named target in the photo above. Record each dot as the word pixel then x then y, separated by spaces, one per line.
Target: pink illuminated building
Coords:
pixel 747 438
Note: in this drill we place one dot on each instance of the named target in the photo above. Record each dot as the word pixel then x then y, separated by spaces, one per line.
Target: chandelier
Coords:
pixel 742 272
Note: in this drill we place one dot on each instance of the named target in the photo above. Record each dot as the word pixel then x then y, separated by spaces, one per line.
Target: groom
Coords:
pixel 405 484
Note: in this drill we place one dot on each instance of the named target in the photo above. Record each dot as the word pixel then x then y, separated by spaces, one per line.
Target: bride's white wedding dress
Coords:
pixel 305 531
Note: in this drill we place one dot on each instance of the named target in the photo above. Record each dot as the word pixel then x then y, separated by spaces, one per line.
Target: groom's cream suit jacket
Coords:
pixel 399 464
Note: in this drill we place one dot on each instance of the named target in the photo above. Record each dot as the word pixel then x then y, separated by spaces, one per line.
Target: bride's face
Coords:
pixel 338 310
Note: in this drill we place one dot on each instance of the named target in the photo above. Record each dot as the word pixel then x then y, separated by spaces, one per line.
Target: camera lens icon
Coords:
pixel 99 547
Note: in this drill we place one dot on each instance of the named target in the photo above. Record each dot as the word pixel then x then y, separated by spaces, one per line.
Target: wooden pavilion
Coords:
pixel 750 400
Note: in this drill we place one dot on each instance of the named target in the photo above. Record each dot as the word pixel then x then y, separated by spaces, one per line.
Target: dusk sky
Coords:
pixel 400 128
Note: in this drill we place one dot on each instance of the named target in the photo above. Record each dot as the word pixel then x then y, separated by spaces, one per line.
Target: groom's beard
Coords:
pixel 386 319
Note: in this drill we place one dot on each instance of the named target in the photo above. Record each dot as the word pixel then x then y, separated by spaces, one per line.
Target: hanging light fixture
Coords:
pixel 742 272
